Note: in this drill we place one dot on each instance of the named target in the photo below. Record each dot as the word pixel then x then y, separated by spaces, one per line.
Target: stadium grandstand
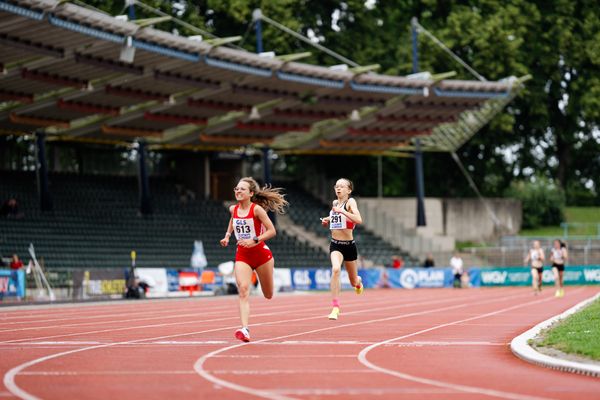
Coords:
pixel 78 82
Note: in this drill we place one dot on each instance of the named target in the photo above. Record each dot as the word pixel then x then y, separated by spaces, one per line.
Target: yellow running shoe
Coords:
pixel 360 288
pixel 334 313
pixel 561 293
pixel 557 293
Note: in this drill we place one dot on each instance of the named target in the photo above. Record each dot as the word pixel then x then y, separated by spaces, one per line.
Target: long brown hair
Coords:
pixel 269 198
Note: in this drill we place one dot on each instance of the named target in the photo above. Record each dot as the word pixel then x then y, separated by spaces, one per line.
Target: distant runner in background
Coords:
pixel 558 258
pixel 536 257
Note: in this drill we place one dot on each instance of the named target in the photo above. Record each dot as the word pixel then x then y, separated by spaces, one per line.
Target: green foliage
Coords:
pixel 577 194
pixel 550 129
pixel 543 201
pixel 585 215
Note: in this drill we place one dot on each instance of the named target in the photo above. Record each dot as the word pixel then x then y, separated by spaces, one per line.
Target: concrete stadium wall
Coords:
pixel 468 219
pixel 462 219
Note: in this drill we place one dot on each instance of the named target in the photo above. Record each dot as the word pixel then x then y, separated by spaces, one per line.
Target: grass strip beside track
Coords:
pixel 578 334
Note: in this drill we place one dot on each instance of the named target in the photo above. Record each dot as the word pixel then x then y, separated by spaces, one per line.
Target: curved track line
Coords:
pixel 9 377
pixel 362 357
pixel 199 364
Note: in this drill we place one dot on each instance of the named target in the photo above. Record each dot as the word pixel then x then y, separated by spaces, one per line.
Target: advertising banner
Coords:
pixel 411 278
pixel 316 279
pixel 12 283
pixel 521 276
pixel 282 278
pixel 99 282
pixel 155 278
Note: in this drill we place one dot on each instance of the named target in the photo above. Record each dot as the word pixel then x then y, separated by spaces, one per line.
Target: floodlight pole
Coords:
pixel 42 172
pixel 415 49
pixel 257 17
pixel 420 184
pixel 131 11
pixel 144 185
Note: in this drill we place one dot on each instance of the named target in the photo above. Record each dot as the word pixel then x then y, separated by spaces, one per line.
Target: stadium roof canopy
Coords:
pixel 65 71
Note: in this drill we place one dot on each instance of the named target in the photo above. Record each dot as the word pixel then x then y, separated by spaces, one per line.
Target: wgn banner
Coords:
pixel 521 276
pixel 12 283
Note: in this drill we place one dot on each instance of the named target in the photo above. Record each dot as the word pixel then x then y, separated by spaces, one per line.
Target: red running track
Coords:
pixel 387 344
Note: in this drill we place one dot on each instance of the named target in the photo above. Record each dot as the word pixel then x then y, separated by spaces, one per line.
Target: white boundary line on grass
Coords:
pixel 524 351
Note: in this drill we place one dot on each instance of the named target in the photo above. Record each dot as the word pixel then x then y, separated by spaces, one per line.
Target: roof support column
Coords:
pixel 415 49
pixel 420 183
pixel 131 11
pixel 257 15
pixel 42 172
pixel 206 177
pixel 267 152
pixel 144 184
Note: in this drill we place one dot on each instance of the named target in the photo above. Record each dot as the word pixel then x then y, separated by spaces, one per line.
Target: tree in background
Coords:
pixel 551 129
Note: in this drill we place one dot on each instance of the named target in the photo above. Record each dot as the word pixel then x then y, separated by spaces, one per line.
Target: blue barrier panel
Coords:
pixel 410 278
pixel 373 277
pixel 407 278
pixel 172 280
pixel 316 279
pixel 12 283
pixel 474 277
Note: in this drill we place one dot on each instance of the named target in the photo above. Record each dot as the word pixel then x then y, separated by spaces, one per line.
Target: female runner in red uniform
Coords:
pixel 252 227
pixel 342 219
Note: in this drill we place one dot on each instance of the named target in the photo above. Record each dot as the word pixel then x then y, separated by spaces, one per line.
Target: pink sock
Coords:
pixel 336 303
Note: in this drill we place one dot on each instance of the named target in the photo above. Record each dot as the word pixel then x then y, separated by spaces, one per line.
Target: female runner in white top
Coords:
pixel 558 257
pixel 537 257
pixel 342 219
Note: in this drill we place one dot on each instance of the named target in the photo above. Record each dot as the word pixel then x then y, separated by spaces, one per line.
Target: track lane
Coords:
pixel 298 342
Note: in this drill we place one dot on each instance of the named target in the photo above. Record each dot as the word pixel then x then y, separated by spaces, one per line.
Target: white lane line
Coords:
pixel 362 357
pixel 112 321
pixel 129 320
pixel 290 371
pixel 9 377
pixel 446 344
pixel 101 373
pixel 192 372
pixel 68 343
pixel 287 356
pixel 268 394
pixel 86 316
pixel 274 343
pixel 235 317
pixel 363 391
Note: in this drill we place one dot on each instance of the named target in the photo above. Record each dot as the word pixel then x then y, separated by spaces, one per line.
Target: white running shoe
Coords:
pixel 334 313
pixel 243 334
